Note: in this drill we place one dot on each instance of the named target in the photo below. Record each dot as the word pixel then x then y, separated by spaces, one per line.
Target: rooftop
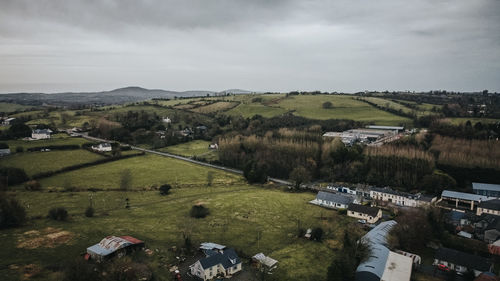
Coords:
pixel 485 186
pixel 397 267
pixel 464 259
pixel 371 211
pixel 491 204
pixel 385 127
pixel 334 197
pixel 464 196
pixel 227 259
pixel 111 244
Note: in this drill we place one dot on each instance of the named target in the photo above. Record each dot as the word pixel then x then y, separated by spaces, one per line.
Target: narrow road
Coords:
pixel 230 170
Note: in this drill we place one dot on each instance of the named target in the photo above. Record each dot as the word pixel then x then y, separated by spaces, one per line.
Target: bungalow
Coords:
pixel 41 134
pixel 103 147
pixel 461 262
pixel 332 200
pixel 486 189
pixel 113 246
pixel 370 214
pixel 383 264
pixel 491 207
pixel 224 264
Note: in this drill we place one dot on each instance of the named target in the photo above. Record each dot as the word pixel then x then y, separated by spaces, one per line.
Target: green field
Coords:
pixel 238 213
pixel 56 139
pixel 12 107
pixel 215 107
pixel 38 162
pixel 198 148
pixel 473 120
pixel 146 171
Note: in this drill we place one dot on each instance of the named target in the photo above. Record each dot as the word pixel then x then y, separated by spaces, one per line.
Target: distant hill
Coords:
pixel 117 96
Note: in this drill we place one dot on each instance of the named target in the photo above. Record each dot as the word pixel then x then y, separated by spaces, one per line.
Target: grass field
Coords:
pixel 56 139
pixel 473 120
pixel 37 162
pixel 198 148
pixel 12 107
pixel 215 107
pixel 146 171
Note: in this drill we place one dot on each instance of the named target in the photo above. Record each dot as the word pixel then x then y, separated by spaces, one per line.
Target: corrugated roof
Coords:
pixel 371 211
pixel 334 197
pixel 267 261
pixel 378 235
pixel 463 259
pixel 485 186
pixel 111 244
pixel 464 196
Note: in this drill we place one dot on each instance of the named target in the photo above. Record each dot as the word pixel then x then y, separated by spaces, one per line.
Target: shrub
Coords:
pixel 19 149
pixel 11 213
pixel 164 189
pixel 58 214
pixel 317 234
pixel 14 175
pixel 32 185
pixel 327 104
pixel 89 212
pixel 199 211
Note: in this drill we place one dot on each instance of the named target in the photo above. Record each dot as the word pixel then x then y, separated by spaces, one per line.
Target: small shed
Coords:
pixel 114 246
pixel 263 260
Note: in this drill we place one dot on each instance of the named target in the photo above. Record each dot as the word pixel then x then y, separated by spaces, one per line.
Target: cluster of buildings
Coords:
pixel 370 134
pixel 41 134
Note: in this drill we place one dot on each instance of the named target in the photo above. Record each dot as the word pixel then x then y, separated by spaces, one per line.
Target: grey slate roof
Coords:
pixel 227 259
pixel 334 197
pixel 464 259
pixel 463 196
pixel 485 186
pixel 491 204
pixel 41 131
pixel 371 211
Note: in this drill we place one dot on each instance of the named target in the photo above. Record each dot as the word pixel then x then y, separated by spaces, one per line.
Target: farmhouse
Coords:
pixel 486 189
pixel 41 134
pixel 461 200
pixel 370 214
pixel 223 263
pixel 113 246
pixel 332 200
pixel 383 264
pixel 103 147
pixel 461 262
pixel 491 207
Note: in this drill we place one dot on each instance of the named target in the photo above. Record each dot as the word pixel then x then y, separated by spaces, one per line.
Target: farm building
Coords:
pixel 332 200
pixel 383 264
pixel 114 246
pixel 461 262
pixel 209 246
pixel 370 214
pixel 102 147
pixel 41 134
pixel 7 121
pixel 222 263
pixel 491 207
pixel 486 189
pixel 389 128
pixel 461 200
pixel 265 261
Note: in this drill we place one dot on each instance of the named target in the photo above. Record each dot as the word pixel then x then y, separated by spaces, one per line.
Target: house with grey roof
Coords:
pixel 461 262
pixel 382 263
pixel 103 147
pixel 222 263
pixel 370 214
pixel 491 207
pixel 461 200
pixel 332 200
pixel 486 189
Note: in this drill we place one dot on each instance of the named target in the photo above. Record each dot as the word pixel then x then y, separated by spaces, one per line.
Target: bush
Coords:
pixel 19 149
pixel 89 212
pixel 32 185
pixel 327 105
pixel 317 234
pixel 11 213
pixel 58 214
pixel 164 189
pixel 14 175
pixel 199 211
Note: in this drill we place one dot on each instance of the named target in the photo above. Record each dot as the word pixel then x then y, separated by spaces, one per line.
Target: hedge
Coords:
pixel 55 147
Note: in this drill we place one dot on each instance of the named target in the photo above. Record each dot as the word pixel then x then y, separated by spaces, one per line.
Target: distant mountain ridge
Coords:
pixel 116 96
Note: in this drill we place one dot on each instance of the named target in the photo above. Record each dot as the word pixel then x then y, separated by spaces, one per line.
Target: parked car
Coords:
pixel 443 267
pixel 362 221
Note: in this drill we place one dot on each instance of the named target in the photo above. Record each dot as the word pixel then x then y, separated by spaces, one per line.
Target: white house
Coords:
pixel 394 197
pixel 102 147
pixel 41 134
pixel 332 200
pixel 166 120
pixel 223 263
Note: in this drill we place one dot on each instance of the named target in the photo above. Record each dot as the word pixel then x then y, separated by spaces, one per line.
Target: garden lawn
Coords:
pixel 248 218
pixel 38 162
pixel 148 170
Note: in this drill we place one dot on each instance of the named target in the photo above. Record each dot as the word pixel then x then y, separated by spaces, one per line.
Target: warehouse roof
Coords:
pixel 485 186
pixel 464 196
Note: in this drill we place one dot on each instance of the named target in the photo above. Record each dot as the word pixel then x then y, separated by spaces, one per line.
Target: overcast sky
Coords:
pixel 275 45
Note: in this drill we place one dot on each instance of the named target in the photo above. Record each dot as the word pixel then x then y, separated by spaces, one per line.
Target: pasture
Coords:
pixel 12 107
pixel 56 139
pixel 38 162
